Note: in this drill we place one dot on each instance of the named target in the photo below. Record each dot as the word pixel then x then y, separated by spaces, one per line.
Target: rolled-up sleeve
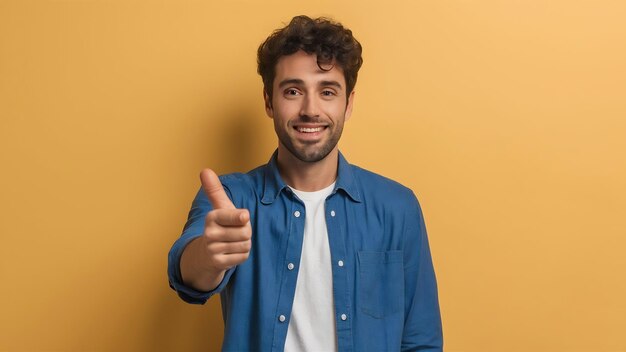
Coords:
pixel 194 227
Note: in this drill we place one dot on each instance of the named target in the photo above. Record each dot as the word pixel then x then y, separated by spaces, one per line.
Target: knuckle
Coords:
pixel 213 216
pixel 218 261
pixel 210 234
pixel 212 249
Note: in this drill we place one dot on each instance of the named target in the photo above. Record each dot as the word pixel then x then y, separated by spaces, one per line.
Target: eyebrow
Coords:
pixel 290 81
pixel 331 83
pixel 298 81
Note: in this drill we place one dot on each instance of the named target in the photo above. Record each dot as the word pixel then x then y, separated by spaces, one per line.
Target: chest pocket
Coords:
pixel 381 283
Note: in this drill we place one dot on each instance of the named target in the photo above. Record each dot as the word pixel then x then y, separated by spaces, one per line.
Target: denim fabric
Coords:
pixel 384 286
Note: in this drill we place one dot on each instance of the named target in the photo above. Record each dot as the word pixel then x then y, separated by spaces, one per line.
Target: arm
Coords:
pixel 422 326
pixel 193 229
pixel 194 270
pixel 211 245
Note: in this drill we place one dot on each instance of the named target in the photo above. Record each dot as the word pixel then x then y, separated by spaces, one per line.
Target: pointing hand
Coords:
pixel 227 230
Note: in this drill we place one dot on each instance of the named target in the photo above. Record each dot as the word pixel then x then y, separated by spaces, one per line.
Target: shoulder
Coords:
pixel 378 188
pixel 242 187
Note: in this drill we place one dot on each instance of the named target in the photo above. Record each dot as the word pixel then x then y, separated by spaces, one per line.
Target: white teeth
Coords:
pixel 309 130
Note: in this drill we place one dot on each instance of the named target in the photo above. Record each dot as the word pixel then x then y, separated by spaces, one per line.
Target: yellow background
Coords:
pixel 507 118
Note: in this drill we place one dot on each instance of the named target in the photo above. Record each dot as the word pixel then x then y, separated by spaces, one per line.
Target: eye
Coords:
pixel 292 91
pixel 328 93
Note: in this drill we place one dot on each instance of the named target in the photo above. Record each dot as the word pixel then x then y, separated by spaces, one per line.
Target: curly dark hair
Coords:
pixel 329 40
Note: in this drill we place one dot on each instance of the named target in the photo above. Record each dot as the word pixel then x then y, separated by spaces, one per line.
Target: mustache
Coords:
pixel 307 119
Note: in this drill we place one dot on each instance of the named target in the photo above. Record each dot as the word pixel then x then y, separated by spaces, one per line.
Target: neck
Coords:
pixel 307 176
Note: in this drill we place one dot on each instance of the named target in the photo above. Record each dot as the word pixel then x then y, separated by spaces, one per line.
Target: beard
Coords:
pixel 310 152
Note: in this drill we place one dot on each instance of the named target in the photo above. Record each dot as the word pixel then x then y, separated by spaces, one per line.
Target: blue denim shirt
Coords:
pixel 384 287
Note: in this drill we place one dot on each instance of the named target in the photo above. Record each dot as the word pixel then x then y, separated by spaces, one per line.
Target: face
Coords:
pixel 308 106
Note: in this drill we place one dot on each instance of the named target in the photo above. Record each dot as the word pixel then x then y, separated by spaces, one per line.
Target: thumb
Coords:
pixel 214 190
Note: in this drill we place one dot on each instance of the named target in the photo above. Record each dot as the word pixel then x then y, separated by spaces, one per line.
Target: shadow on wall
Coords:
pixel 176 325
pixel 242 138
pixel 235 138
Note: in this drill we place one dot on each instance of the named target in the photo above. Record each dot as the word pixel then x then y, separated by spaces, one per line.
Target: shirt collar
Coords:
pixel 274 184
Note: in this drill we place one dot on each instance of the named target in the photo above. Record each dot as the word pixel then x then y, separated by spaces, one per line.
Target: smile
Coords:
pixel 309 129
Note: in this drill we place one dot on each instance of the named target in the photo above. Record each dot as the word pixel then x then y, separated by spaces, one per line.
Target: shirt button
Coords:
pixel 290 266
pixel 343 317
pixel 282 318
pixel 340 263
pixel 296 214
pixel 332 213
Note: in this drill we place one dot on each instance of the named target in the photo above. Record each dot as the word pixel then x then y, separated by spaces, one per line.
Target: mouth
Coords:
pixel 303 129
pixel 309 132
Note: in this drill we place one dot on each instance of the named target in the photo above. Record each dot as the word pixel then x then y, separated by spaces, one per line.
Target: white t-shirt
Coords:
pixel 312 322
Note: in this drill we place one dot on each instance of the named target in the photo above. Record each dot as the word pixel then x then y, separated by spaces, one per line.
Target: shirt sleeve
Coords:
pixel 194 227
pixel 422 326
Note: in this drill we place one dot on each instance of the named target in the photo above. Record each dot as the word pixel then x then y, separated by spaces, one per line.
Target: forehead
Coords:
pixel 303 66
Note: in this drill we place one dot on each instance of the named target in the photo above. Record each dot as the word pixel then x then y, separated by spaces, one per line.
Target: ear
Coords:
pixel 349 106
pixel 269 110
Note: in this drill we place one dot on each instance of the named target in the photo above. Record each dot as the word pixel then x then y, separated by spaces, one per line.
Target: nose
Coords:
pixel 309 106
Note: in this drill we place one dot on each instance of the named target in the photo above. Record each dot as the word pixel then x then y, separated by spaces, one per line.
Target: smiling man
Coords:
pixel 309 252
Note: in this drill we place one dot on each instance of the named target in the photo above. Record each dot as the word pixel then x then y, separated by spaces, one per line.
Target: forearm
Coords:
pixel 194 270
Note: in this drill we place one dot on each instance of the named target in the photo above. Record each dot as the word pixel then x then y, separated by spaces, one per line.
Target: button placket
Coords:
pixel 293 242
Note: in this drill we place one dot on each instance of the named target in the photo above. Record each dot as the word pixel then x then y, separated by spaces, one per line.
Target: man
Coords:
pixel 308 252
